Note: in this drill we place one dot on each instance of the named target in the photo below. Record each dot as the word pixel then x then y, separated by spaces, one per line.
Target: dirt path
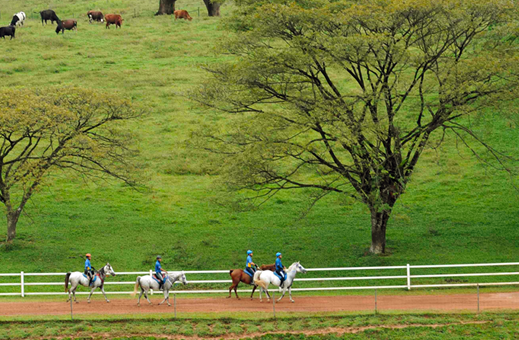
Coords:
pixel 456 302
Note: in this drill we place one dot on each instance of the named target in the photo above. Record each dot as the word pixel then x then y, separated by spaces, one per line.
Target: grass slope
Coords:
pixel 454 211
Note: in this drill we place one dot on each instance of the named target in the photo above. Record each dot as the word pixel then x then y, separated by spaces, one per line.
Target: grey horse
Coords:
pixel 147 282
pixel 77 278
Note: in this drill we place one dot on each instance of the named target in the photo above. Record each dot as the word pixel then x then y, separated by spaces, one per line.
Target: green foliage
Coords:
pixel 345 96
pixel 63 129
pixel 153 60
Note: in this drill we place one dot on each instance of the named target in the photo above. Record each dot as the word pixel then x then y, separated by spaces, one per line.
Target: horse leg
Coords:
pixel 146 296
pixel 253 289
pixel 165 294
pixel 91 292
pixel 231 288
pixel 139 301
pixel 104 294
pixel 282 295
pixel 290 293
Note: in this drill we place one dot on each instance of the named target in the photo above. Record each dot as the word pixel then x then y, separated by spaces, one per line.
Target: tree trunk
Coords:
pixel 378 231
pixel 166 7
pixel 213 8
pixel 12 221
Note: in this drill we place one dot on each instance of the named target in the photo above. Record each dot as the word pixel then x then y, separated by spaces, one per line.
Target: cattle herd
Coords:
pixel 71 24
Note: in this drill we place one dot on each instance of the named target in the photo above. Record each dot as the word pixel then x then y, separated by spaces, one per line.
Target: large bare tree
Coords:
pixel 344 96
pixel 63 129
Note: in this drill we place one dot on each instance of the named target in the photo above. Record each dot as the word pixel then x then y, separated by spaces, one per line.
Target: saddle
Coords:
pixel 154 277
pixel 279 276
pixel 93 279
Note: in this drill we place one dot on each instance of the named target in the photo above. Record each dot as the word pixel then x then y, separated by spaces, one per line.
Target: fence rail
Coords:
pixel 407 279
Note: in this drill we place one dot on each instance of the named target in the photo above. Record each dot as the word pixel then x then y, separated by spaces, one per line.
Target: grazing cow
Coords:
pixel 182 14
pixel 66 25
pixel 113 19
pixel 48 14
pixel 95 16
pixel 18 19
pixel 7 30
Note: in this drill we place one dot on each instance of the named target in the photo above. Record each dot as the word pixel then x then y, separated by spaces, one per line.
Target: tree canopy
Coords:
pixel 344 96
pixel 62 129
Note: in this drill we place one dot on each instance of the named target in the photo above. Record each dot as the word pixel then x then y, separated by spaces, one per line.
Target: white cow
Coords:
pixel 18 19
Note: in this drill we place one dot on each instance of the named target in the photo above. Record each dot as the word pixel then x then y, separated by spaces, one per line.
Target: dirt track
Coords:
pixel 457 302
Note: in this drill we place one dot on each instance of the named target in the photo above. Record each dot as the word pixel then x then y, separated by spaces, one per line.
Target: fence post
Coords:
pixel 71 316
pixel 408 277
pixel 274 304
pixel 375 301
pixel 478 298
pixel 151 276
pixel 22 284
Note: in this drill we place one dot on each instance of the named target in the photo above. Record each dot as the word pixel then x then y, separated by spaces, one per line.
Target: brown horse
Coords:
pixel 239 275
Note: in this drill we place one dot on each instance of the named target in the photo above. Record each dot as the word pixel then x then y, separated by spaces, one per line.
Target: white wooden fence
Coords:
pixel 407 278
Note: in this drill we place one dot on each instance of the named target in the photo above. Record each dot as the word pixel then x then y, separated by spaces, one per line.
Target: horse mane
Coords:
pixel 291 266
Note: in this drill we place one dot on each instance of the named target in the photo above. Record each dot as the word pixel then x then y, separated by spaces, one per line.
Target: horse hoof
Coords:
pixel 88 301
pixel 169 304
pixel 292 301
pixel 108 301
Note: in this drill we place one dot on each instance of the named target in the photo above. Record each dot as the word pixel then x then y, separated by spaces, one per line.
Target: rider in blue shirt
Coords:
pixel 89 270
pixel 249 265
pixel 280 269
pixel 158 272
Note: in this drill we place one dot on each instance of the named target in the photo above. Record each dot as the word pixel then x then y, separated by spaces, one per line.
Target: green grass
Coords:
pixel 401 326
pixel 455 209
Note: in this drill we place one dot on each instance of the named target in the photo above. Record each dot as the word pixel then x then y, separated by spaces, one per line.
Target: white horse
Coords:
pixel 18 19
pixel 77 278
pixel 147 282
pixel 264 278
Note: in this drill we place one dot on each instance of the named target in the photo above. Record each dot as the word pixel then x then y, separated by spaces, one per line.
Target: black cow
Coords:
pixel 7 30
pixel 48 14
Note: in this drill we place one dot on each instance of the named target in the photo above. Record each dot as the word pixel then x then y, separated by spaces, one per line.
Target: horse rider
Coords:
pixel 158 272
pixel 280 270
pixel 89 270
pixel 250 267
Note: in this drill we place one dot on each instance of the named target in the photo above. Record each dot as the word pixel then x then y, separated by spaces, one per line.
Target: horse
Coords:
pixel 239 275
pixel 264 278
pixel 147 282
pixel 77 278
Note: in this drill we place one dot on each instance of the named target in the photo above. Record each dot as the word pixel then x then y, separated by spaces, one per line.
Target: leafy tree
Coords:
pixel 42 132
pixel 344 96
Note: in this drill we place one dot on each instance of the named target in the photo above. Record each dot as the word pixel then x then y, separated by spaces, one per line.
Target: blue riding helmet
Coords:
pixel 249 252
pixel 278 254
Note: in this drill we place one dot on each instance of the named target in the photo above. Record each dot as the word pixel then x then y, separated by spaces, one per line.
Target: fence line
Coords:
pixel 408 279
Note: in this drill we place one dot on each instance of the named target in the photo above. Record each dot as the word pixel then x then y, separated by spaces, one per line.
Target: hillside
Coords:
pixel 456 210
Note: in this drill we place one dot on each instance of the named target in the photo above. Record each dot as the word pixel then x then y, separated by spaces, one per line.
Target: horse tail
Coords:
pixel 137 284
pixel 258 281
pixel 230 271
pixel 66 281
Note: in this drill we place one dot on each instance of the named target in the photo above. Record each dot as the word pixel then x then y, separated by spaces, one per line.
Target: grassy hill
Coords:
pixel 455 210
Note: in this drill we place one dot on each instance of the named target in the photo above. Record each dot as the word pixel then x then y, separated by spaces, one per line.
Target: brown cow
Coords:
pixel 113 19
pixel 69 24
pixel 95 16
pixel 182 14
